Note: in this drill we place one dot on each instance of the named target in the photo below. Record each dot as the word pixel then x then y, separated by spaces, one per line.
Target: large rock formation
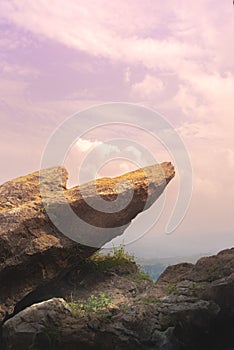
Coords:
pixel 33 251
pixel 191 307
pixel 55 293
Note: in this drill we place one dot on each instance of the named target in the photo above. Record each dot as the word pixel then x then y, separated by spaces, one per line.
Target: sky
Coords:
pixel 174 57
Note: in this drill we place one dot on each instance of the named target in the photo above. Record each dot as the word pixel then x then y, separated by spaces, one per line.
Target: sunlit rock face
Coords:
pixel 35 210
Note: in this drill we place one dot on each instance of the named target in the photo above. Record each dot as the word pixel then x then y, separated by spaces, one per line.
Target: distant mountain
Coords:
pixel 154 271
pixel 155 267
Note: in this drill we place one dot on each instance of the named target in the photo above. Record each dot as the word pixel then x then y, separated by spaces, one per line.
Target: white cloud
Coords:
pixel 85 145
pixel 118 31
pixel 148 88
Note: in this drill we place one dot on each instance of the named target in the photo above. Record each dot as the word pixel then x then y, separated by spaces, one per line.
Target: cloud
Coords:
pixel 148 88
pixel 161 36
pixel 59 57
pixel 84 145
pixel 121 32
pixel 15 70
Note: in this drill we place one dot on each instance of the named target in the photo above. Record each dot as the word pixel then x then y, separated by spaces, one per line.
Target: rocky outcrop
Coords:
pixel 55 293
pixel 33 251
pixel 189 308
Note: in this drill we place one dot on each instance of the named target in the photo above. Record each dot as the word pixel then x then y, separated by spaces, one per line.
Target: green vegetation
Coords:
pixel 98 262
pixel 103 262
pixel 195 289
pixel 146 300
pixel 120 253
pixel 93 304
pixel 141 275
pixel 150 300
pixel 117 258
pixel 170 288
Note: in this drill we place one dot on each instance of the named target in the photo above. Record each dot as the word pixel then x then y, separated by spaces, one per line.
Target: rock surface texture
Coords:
pixel 55 293
pixel 189 307
pixel 34 252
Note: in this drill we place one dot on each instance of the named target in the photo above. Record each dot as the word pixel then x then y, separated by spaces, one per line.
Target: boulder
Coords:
pixel 40 241
pixel 35 321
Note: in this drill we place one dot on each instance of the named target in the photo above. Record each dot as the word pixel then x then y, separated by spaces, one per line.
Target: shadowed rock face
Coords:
pixel 34 252
pixel 190 307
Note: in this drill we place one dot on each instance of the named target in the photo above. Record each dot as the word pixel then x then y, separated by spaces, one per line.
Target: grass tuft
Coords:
pixel 94 304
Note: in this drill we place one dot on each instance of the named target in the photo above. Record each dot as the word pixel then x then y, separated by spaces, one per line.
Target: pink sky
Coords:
pixel 59 57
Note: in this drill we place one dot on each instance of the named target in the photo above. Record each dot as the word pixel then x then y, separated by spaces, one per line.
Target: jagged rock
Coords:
pixel 51 322
pixel 33 252
pixel 184 313
pixel 34 321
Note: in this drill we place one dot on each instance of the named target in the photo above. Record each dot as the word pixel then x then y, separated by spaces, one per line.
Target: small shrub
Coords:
pixel 75 309
pixel 120 253
pixel 103 262
pixel 118 257
pixel 93 304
